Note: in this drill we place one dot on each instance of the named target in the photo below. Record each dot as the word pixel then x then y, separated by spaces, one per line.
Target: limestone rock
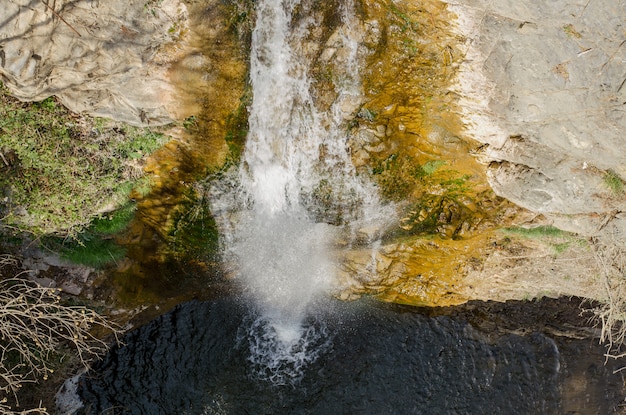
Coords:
pixel 542 85
pixel 105 58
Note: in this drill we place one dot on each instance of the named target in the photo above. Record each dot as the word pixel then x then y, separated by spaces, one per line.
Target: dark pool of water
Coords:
pixel 371 359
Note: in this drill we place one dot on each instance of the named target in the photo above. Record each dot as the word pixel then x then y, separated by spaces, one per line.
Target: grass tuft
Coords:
pixel 114 222
pixel 613 182
pixel 94 252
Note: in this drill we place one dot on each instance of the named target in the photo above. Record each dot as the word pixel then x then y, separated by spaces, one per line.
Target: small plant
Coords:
pixel 190 123
pixel 432 166
pixel 406 22
pixel 613 182
pixel 571 32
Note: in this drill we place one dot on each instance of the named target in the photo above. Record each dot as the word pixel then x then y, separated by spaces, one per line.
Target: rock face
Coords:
pixel 101 57
pixel 543 87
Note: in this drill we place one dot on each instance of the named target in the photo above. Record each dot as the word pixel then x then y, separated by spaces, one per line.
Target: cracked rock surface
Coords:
pixel 543 86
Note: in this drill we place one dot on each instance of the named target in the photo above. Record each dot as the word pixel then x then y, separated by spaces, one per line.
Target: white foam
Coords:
pixel 273 233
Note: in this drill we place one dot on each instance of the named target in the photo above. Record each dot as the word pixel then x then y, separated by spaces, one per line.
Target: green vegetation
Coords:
pixel 237 128
pixel 571 32
pixel 538 232
pixel 399 176
pixel 94 246
pixel 436 198
pixel 114 222
pixel 240 19
pixel 559 240
pixel 613 182
pixel 403 20
pixel 432 166
pixel 93 251
pixel 58 168
pixel 408 28
pixel 194 234
pixel 190 123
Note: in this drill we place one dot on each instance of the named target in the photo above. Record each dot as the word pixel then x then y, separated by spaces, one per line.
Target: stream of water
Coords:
pixel 272 230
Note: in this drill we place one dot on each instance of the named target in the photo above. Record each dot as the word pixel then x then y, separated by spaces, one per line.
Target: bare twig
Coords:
pixel 34 328
pixel 4 159
pixel 61 18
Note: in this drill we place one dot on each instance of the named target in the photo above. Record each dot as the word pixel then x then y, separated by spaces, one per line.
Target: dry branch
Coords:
pixel 61 18
pixel 611 261
pixel 34 329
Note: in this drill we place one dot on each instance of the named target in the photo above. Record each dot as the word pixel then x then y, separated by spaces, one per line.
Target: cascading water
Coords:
pixel 277 231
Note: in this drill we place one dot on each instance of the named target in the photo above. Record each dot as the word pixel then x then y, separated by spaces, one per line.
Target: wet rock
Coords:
pixel 381 131
pixel 366 136
pixel 70 287
pixel 34 265
pixel 376 149
pixel 382 263
pixel 360 158
pixel 44 282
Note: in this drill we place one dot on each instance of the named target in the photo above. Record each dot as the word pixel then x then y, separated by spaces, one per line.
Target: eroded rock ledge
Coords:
pixel 542 86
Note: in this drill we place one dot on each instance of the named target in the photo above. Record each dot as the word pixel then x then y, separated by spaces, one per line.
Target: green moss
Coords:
pixel 537 232
pixel 94 246
pixel 561 247
pixel 114 222
pixel 194 234
pixel 397 176
pixel 560 241
pixel 432 166
pixel 237 128
pixel 241 19
pixel 96 252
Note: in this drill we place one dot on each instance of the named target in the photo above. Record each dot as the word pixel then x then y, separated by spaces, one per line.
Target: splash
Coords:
pixel 280 353
pixel 298 190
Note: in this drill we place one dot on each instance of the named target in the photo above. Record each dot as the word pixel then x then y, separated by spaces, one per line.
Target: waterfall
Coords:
pixel 279 230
